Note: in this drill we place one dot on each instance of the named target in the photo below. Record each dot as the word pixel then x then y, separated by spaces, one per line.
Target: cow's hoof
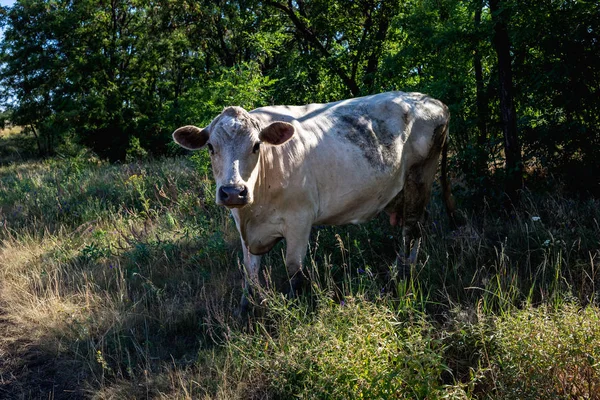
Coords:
pixel 241 312
pixel 297 285
pixel 403 267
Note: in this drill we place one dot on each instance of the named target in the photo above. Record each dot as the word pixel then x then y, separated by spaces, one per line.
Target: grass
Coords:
pixel 16 145
pixel 120 281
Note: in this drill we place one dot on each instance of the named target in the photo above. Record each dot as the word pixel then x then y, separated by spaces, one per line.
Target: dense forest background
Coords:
pixel 118 76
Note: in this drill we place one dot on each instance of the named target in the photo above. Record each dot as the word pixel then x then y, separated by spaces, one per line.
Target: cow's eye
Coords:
pixel 256 147
pixel 210 148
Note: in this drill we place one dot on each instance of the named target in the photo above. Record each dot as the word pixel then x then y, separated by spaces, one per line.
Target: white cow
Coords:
pixel 283 169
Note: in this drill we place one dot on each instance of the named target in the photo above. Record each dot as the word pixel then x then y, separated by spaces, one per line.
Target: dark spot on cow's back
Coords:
pixel 372 136
pixel 385 135
pixel 356 127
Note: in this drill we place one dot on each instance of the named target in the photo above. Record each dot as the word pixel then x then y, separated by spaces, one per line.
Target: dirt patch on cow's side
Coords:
pixel 375 141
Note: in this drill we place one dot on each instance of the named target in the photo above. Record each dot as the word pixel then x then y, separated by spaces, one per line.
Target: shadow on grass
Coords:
pixel 148 309
pixel 34 368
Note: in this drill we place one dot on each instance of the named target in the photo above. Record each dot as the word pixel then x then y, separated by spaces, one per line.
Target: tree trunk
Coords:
pixel 480 90
pixel 482 155
pixel 385 15
pixel 37 140
pixel 512 148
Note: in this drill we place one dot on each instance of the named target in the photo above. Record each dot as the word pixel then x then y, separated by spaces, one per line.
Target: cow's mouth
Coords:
pixel 232 206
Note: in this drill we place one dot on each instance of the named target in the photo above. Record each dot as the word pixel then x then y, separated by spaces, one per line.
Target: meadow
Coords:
pixel 120 281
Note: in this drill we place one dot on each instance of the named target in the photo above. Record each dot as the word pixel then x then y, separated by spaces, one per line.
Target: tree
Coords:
pixel 115 72
pixel 480 94
pixel 349 37
pixel 33 69
pixel 556 70
pixel 508 116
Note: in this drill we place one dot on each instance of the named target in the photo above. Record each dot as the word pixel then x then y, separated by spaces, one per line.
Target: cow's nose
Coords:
pixel 235 195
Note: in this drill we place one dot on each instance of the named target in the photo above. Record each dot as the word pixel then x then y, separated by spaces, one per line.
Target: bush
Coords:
pixel 352 350
pixel 549 354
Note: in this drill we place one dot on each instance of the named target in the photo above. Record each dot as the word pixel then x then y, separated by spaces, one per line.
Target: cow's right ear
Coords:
pixel 191 137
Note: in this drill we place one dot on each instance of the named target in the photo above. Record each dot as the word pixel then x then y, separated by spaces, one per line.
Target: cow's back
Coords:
pixel 349 159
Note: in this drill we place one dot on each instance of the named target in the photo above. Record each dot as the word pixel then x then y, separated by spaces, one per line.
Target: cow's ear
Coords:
pixel 191 137
pixel 277 133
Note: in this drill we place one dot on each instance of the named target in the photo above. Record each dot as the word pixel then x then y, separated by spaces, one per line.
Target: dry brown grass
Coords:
pixel 11 130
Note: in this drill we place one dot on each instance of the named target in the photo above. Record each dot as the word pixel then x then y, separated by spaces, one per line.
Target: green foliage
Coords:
pixel 242 85
pixel 135 150
pixel 353 350
pixel 154 66
pixel 545 353
pixel 555 63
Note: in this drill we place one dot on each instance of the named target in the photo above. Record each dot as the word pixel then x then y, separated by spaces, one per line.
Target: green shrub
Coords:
pixel 352 350
pixel 548 354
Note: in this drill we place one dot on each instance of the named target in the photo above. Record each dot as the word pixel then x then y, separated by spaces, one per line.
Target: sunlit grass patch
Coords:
pixel 354 350
pixel 46 195
pixel 16 146
pixel 548 353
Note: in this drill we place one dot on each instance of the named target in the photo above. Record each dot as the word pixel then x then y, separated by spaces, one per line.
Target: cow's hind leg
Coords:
pixel 417 191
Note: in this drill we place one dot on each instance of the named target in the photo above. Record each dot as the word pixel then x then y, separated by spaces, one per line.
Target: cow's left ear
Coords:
pixel 191 137
pixel 277 133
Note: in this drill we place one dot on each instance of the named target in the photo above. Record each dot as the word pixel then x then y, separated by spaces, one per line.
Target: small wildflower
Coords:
pixel 361 271
pixel 342 303
pixel 535 219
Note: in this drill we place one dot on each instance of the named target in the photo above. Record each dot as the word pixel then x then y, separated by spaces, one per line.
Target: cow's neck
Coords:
pixel 277 169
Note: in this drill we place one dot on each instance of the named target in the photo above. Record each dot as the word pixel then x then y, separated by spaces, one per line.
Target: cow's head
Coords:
pixel 234 141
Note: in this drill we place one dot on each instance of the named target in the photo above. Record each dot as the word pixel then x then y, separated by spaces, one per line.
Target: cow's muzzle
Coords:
pixel 233 195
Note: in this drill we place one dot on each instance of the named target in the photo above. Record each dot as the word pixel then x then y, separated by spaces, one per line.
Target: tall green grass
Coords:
pixel 121 281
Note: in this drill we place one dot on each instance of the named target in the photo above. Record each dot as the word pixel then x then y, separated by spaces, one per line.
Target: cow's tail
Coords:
pixel 445 183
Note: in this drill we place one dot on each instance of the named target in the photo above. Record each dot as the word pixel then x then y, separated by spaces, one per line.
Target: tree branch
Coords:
pixel 306 34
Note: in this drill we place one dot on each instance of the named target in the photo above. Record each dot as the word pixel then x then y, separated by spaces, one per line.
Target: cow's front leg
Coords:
pixel 297 245
pixel 250 276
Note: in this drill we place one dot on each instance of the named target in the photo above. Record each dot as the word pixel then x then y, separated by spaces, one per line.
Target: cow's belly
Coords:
pixel 359 207
pixel 349 217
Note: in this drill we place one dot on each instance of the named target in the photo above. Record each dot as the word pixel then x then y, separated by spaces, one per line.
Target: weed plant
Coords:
pixel 120 281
